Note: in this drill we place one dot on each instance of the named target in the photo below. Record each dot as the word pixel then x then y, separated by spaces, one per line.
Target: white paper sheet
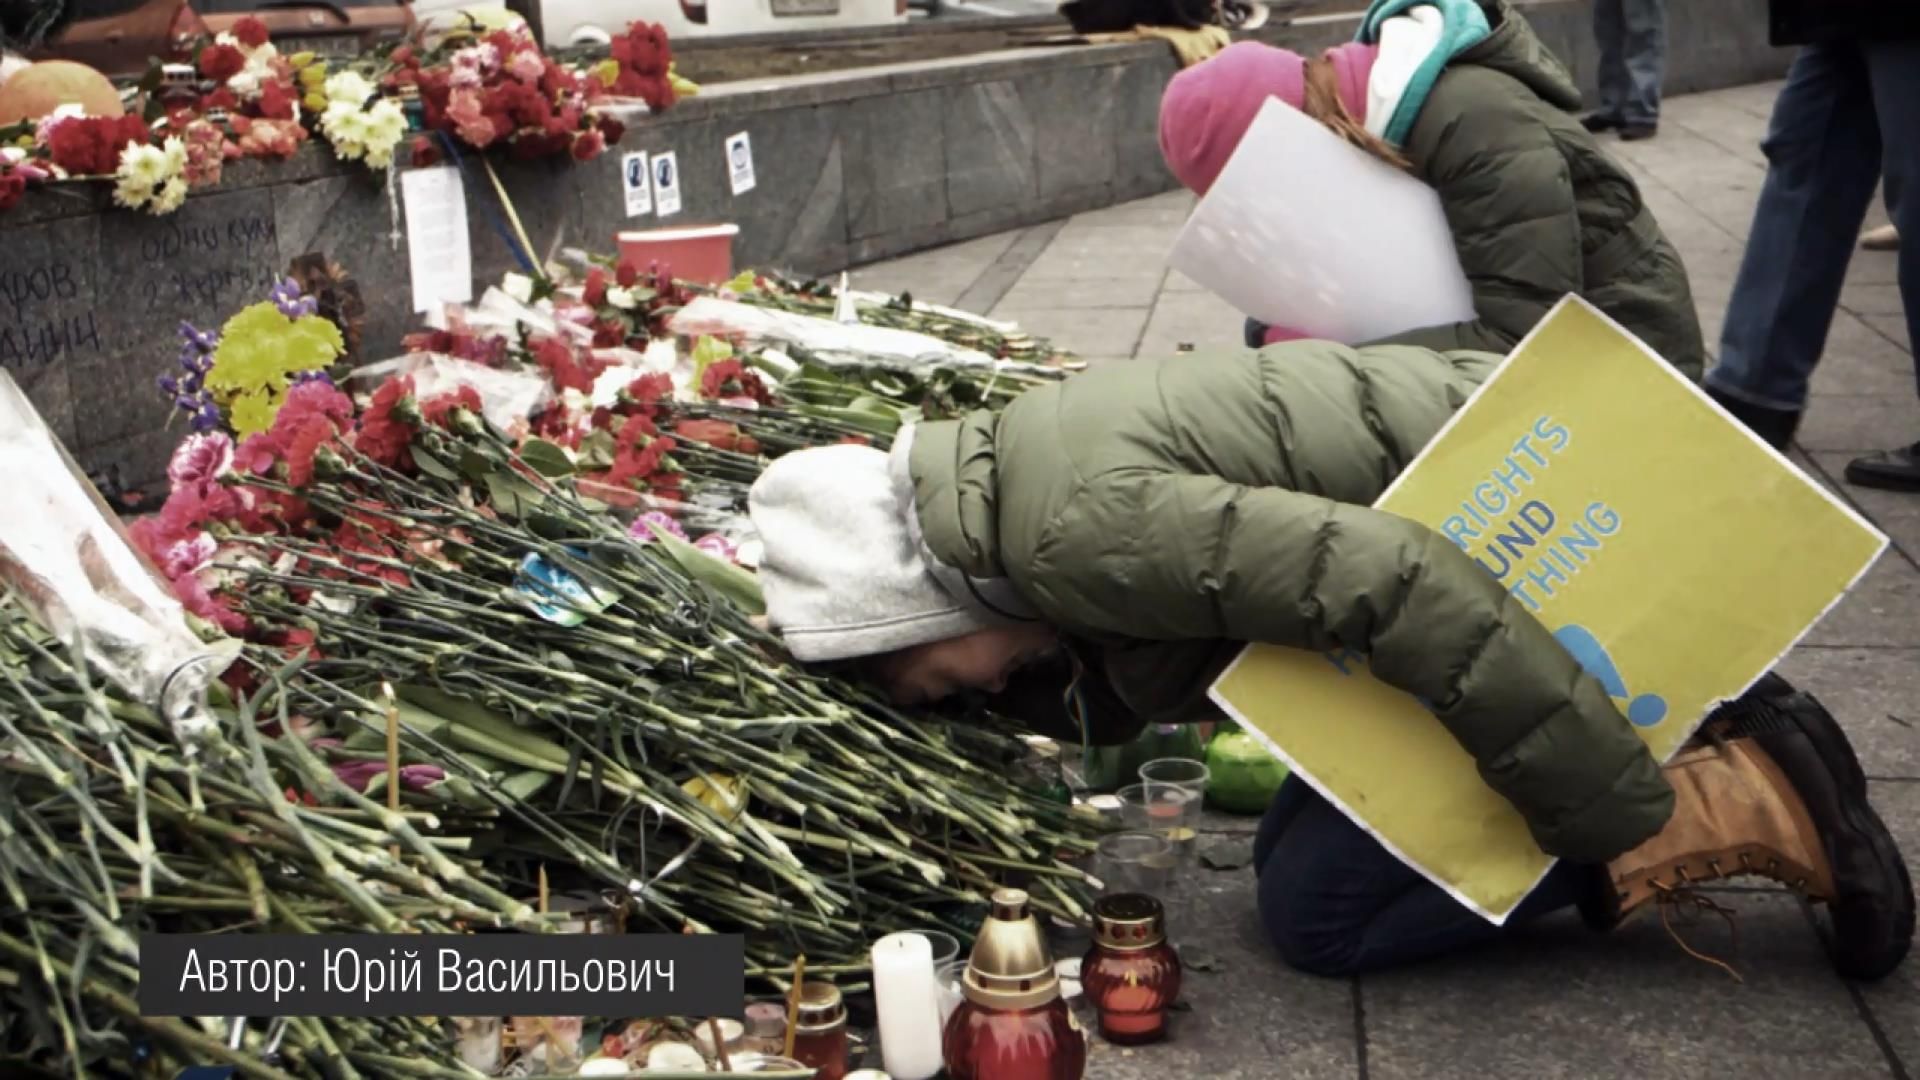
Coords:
pixel 1305 231
pixel 636 180
pixel 439 258
pixel 740 163
pixel 666 183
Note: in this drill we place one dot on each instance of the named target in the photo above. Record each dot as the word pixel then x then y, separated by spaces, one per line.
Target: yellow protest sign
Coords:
pixel 1673 554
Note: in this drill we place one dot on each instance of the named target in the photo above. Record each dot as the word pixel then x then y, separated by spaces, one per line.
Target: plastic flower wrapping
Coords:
pixel 65 557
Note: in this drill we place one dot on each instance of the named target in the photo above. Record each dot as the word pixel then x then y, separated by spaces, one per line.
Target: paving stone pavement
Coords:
pixel 1555 1000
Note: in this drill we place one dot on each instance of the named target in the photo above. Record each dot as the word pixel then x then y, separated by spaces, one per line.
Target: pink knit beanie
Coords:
pixel 1208 107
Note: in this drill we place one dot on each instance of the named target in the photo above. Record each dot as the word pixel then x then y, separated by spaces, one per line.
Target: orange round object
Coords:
pixel 40 88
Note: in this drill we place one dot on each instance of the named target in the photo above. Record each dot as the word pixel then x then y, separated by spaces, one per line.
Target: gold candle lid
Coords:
pixel 1129 921
pixel 820 1009
pixel 1011 967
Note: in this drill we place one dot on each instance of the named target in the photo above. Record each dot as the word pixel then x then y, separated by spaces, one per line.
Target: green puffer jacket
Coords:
pixel 1163 513
pixel 1537 209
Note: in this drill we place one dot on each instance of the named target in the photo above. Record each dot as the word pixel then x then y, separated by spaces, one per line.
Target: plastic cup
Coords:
pixel 947 981
pixel 1169 810
pixel 1185 773
pixel 946 947
pixel 1134 862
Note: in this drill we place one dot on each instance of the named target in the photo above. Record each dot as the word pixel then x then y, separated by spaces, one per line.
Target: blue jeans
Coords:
pixel 1632 35
pixel 1335 902
pixel 1848 117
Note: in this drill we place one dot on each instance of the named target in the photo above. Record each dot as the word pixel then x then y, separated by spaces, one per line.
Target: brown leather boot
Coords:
pixel 1771 788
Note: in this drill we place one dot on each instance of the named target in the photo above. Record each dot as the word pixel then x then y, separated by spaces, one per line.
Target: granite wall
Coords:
pixel 851 167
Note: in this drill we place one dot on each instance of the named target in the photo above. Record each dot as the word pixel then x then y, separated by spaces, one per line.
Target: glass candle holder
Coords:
pixel 1168 810
pixel 1131 975
pixel 820 1031
pixel 950 980
pixel 1134 862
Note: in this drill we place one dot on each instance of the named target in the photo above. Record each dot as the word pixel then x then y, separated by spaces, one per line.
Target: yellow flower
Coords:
pixel 607 71
pixel 302 59
pixel 313 77
pixel 315 102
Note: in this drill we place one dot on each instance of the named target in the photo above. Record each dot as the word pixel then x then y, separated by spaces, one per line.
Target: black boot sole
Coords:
pixel 1892 936
pixel 1880 481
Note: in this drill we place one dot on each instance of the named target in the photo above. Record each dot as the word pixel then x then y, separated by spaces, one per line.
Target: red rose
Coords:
pixel 276 103
pixel 221 62
pixel 250 32
pixel 595 292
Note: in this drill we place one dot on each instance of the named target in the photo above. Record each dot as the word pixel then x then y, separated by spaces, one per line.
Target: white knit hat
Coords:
pixel 843 571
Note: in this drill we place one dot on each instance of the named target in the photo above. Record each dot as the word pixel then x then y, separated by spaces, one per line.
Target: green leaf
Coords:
pixel 707 352
pixel 475 465
pixel 431 464
pixel 546 458
pixel 523 786
pixel 596 451
pixel 513 496
pixel 736 585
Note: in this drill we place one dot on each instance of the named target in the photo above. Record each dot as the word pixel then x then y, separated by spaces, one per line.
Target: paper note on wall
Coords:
pixel 1306 231
pixel 1674 555
pixel 438 256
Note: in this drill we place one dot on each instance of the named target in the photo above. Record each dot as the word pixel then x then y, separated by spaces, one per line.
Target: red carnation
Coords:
pixel 612 130
pixel 250 32
pixel 276 102
pixel 595 293
pixel 220 99
pixel 12 186
pixel 384 436
pixel 314 433
pixel 609 334
pixel 404 56
pixel 439 408
pixel 221 62
pixel 588 146
pixel 627 274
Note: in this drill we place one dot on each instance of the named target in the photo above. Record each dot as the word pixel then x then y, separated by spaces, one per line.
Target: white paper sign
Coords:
pixel 740 163
pixel 666 184
pixel 438 255
pixel 636 180
pixel 1305 231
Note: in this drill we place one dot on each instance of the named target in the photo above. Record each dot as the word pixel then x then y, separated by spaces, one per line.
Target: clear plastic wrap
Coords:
pixel 505 396
pixel 65 556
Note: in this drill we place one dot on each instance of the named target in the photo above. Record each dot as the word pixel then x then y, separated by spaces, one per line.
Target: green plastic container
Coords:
pixel 1110 768
pixel 1242 775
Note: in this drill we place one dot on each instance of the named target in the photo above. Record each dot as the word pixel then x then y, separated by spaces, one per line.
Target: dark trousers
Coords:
pixel 1336 902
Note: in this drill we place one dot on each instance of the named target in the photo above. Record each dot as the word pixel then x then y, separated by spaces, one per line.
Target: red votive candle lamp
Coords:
pixel 1012 1023
pixel 1131 974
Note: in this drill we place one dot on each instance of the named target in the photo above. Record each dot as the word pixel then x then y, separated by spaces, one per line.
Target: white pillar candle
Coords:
pixel 909 1005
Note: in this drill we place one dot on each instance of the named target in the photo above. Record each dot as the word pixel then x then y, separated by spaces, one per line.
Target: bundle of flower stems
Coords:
pixel 104 834
pixel 639 729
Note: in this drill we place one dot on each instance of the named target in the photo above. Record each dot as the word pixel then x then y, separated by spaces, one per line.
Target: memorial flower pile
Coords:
pixel 488 85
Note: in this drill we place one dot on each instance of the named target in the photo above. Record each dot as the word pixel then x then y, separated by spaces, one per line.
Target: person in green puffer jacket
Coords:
pixel 1134 526
pixel 1463 95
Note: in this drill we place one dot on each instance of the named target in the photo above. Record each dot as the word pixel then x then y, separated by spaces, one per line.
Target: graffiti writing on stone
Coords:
pixel 41 324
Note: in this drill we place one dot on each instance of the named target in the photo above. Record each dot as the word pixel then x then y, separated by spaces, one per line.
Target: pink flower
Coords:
pixel 465 78
pixel 527 65
pixel 470 118
pixel 184 556
pixel 194 596
pixel 257 456
pixel 201 460
pixel 719 547
pixel 642 532
pixel 358 774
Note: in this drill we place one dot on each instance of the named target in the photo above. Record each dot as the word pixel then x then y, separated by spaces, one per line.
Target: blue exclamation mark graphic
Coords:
pixel 1643 711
